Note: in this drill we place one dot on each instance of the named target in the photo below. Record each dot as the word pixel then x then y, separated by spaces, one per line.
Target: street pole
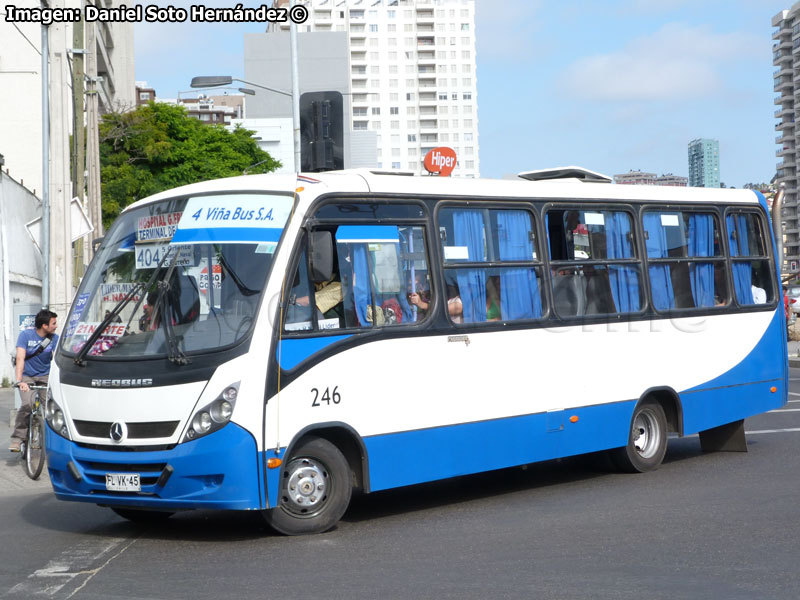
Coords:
pixel 79 153
pixel 45 168
pixel 295 94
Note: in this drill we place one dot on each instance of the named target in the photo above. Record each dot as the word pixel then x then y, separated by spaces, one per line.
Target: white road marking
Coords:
pixel 794 394
pixel 785 410
pixel 793 430
pixel 73 566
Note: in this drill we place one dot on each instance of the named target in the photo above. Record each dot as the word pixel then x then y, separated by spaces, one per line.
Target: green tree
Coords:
pixel 159 146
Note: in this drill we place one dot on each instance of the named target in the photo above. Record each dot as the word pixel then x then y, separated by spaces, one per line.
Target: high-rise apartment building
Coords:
pixel 704 163
pixel 413 76
pixel 787 61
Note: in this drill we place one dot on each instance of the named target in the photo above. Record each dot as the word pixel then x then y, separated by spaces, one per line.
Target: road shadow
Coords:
pixel 44 511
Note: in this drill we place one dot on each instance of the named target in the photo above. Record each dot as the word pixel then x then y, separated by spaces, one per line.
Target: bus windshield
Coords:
pixel 185 274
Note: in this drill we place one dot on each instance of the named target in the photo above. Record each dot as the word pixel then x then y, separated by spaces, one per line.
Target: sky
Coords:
pixel 610 85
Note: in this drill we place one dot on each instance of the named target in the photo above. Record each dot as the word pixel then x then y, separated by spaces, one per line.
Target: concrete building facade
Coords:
pixel 704 163
pixel 20 266
pixel 785 57
pixel 412 75
pixel 104 53
pixel 323 66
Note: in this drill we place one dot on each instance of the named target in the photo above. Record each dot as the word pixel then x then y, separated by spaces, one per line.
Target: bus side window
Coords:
pixel 752 277
pixel 306 301
pixel 298 308
pixel 384 272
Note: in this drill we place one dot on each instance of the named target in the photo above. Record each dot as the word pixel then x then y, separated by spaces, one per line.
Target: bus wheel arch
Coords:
pixel 322 466
pixel 657 412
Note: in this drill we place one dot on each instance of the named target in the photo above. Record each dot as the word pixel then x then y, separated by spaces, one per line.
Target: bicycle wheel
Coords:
pixel 34 455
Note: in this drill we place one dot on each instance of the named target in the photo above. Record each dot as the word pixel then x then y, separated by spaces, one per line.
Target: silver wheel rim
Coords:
pixel 307 487
pixel 646 434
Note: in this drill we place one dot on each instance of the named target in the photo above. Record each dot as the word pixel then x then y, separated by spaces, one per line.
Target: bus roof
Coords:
pixel 362 181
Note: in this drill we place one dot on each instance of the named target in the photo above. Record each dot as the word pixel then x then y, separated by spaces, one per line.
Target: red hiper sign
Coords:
pixel 441 160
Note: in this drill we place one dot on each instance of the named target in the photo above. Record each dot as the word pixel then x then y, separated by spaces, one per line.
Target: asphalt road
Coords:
pixel 724 525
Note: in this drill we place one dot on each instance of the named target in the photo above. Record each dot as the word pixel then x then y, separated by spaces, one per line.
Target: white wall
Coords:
pixel 20 265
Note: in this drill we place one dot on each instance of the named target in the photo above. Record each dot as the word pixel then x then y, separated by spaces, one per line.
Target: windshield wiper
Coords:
pixel 81 355
pixel 174 354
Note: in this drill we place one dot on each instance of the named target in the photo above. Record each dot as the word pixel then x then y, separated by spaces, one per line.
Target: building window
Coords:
pixel 412 137
pixel 359 125
pixel 376 110
pixel 395 165
pixel 410 96
pixel 373 27
pixel 467 96
pixel 394 110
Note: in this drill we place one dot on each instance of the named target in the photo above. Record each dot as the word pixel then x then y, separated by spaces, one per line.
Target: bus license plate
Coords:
pixel 123 482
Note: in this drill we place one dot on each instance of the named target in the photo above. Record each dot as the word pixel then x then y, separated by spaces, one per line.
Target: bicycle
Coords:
pixel 32 449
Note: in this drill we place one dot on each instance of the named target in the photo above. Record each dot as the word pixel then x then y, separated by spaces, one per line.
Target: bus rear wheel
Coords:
pixel 647 440
pixel 316 486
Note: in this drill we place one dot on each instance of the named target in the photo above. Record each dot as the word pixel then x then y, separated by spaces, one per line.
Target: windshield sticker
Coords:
pixel 149 255
pixel 157 227
pixel 114 292
pixel 75 317
pixel 233 219
pixel 87 329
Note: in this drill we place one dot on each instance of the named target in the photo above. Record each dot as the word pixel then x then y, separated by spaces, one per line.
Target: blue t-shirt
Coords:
pixel 37 365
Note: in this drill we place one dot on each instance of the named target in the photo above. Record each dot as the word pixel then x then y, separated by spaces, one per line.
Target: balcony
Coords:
pixel 425 41
pixel 429 138
pixel 784 112
pixel 427 82
pixel 428 110
pixel 786 151
pixel 784 125
pixel 428 124
pixel 426 57
pixel 424 28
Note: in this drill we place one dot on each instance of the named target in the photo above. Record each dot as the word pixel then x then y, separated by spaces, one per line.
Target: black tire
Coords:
pixel 34 448
pixel 142 516
pixel 647 440
pixel 316 485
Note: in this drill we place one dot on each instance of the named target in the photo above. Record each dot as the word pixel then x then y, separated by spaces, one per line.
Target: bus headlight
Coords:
pixel 55 416
pixel 213 416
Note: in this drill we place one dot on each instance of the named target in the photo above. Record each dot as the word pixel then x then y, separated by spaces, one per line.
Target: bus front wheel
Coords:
pixel 647 440
pixel 316 486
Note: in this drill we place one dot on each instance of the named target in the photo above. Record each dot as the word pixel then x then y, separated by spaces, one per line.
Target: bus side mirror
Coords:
pixel 96 243
pixel 320 250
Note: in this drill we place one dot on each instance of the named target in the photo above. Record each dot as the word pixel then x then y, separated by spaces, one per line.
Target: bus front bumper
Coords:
pixel 218 471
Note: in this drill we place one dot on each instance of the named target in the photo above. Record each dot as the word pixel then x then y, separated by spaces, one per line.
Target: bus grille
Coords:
pixel 136 431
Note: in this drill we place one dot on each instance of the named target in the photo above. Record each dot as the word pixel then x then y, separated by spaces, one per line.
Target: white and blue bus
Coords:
pixel 274 342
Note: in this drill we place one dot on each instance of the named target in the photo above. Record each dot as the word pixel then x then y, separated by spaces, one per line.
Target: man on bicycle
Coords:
pixel 34 354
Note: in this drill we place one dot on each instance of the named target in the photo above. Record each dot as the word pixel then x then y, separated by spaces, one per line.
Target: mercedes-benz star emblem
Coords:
pixel 117 432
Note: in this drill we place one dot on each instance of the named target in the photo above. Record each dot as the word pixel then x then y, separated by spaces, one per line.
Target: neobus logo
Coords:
pixel 121 382
pixel 440 160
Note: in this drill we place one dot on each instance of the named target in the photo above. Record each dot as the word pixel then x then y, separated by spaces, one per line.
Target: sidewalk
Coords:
pixel 12 475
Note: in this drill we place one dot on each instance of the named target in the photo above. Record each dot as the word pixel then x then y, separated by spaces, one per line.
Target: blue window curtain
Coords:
pixel 468 231
pixel 660 280
pixel 362 295
pixel 519 288
pixel 624 279
pixel 742 271
pixel 701 243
